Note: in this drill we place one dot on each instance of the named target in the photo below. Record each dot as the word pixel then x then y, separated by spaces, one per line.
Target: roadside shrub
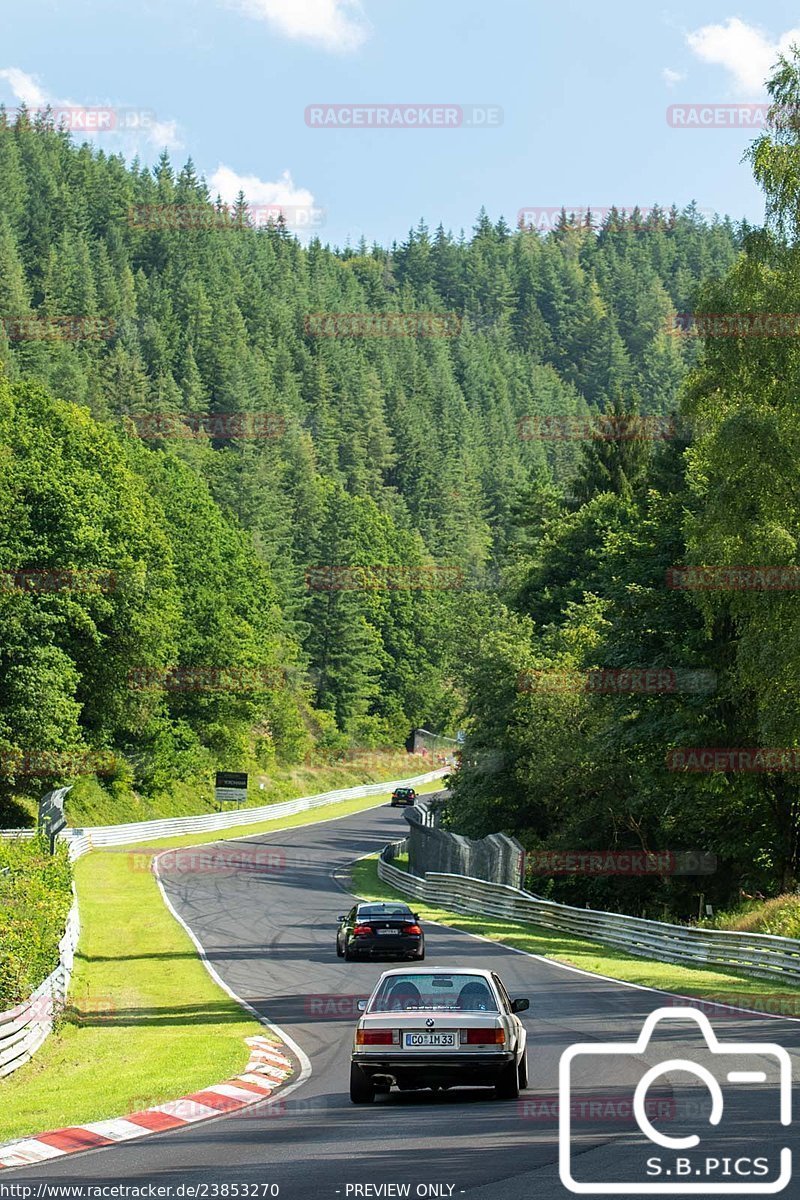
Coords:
pixel 35 899
pixel 779 916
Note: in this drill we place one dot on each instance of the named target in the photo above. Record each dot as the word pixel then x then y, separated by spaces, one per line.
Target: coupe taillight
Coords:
pixel 362 930
pixel 376 1037
pixel 412 929
pixel 483 1037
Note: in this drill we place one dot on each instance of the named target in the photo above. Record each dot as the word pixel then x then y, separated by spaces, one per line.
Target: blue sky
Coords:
pixel 583 88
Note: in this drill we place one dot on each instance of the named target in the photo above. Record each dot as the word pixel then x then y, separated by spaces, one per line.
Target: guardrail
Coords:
pixel 759 954
pixel 81 841
pixel 95 837
pixel 25 1027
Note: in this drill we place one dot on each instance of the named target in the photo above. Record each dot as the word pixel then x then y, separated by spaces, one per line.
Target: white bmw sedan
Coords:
pixel 439 1029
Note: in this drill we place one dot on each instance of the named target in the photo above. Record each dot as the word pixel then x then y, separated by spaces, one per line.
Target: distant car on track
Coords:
pixel 437 1028
pixel 380 929
pixel 402 796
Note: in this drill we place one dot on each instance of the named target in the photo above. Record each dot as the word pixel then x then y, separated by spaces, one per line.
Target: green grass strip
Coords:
pixel 697 982
pixel 146 1022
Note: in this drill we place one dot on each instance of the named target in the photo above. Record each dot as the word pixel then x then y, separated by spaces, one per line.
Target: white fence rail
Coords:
pixel 97 836
pixel 758 954
pixel 25 1027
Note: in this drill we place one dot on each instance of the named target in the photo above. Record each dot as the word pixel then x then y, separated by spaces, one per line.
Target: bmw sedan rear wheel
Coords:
pixel 362 1090
pixel 507 1086
pixel 523 1071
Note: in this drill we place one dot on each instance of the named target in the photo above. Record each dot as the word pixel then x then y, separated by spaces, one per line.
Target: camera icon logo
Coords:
pixel 677 1171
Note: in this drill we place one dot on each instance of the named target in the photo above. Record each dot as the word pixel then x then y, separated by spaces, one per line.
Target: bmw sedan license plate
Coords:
pixel 383 932
pixel 442 1041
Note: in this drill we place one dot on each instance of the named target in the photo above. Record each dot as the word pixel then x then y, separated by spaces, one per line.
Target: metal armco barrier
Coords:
pixel 25 1027
pixel 95 837
pixel 758 954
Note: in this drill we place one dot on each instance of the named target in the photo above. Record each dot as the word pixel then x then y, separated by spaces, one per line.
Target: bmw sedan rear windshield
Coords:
pixel 434 993
pixel 384 910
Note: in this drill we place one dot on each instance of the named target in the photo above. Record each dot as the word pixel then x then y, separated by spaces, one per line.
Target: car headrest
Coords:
pixel 475 995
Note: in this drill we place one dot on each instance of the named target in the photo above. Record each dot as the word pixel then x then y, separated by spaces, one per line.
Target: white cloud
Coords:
pixel 259 192
pixel 746 51
pixel 164 133
pixel 671 77
pixel 333 24
pixel 267 200
pixel 26 90
pixel 24 87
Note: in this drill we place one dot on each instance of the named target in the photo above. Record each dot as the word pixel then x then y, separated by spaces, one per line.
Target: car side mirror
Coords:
pixel 415 916
pixel 520 1005
pixel 342 918
pixel 361 1005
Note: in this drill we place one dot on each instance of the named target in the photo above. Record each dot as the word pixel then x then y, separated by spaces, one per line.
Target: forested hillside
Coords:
pixel 197 450
pixel 564 750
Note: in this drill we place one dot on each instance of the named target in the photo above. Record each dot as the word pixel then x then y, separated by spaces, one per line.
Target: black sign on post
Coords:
pixel 51 815
pixel 231 787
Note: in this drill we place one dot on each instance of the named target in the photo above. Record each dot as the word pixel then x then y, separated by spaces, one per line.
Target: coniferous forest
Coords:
pixel 360 535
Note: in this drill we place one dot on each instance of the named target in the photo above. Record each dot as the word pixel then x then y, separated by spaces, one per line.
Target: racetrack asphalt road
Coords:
pixel 268 928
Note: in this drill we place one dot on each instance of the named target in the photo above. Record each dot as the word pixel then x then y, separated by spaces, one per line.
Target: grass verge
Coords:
pixel 701 983
pixel 146 1022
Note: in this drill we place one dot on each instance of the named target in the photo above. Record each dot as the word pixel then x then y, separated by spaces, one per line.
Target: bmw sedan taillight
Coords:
pixel 412 929
pixel 377 1037
pixel 362 930
pixel 483 1037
